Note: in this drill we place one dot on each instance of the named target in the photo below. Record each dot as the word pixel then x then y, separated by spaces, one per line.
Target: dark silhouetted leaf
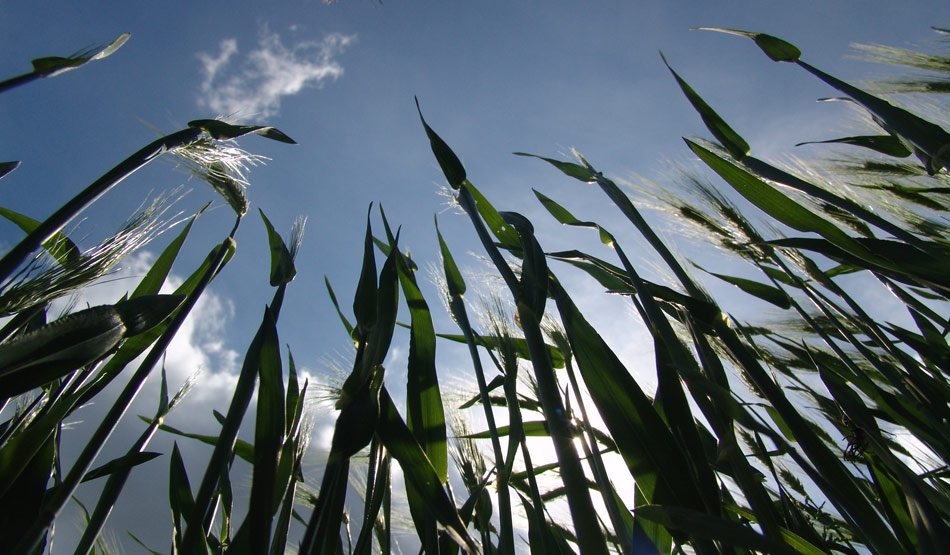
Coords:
pixel 225 131
pixel 448 161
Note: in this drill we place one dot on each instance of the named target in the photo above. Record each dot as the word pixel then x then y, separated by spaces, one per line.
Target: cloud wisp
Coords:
pixel 253 85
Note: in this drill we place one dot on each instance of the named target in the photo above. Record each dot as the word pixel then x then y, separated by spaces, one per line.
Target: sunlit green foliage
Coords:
pixel 825 432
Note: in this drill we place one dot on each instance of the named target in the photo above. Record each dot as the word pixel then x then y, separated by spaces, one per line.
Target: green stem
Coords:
pixel 199 518
pixel 64 491
pixel 506 537
pixel 14 82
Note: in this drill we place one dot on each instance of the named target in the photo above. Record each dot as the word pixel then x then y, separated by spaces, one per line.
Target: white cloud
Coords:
pixel 255 83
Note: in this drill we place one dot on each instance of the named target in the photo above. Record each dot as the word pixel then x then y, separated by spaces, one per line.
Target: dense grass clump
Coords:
pixel 826 432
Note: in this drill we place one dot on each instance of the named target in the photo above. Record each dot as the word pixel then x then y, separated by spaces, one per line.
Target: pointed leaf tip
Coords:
pixel 7 167
pixel 570 169
pixel 448 161
pixel 282 268
pixel 734 143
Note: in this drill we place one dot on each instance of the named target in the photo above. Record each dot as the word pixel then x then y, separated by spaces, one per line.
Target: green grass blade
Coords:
pixel 453 277
pixel 425 415
pixel 378 487
pixel 767 293
pixel 543 535
pixel 7 167
pixel 775 48
pixel 731 140
pixel 282 268
pixel 581 173
pixel 929 140
pixel 224 446
pixel 268 439
pixel 180 500
pixel 713 528
pixel 153 280
pixel 22 499
pixel 642 437
pixel 242 449
pixel 419 471
pixel 85 337
pixel 777 205
pixel 55 223
pixel 364 302
pixel 55 65
pixel 518 344
pixel 562 215
pixel 121 464
pixel 58 246
pixel 448 161
pixel 223 131
pixel 323 532
pixel 346 323
pixel 530 295
pixel 456 288
pixel 772 173
pixel 885 144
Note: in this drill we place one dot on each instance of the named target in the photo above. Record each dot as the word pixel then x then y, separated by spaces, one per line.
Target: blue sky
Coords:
pixel 492 78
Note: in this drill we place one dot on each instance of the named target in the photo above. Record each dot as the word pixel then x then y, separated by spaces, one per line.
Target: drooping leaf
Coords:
pixel 581 173
pixel 225 131
pixel 562 215
pixel 242 449
pixel 55 65
pixel 518 343
pixel 122 463
pixel 885 144
pixel 35 358
pixel 764 291
pixel 775 48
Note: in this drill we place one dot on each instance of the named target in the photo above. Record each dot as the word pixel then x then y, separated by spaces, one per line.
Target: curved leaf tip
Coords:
pixel 774 47
pixel 224 131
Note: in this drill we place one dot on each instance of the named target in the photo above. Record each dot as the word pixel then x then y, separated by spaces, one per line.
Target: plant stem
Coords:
pixel 64 491
pixel 18 254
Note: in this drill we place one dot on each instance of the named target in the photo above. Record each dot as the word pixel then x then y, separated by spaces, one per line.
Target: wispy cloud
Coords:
pixel 254 84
